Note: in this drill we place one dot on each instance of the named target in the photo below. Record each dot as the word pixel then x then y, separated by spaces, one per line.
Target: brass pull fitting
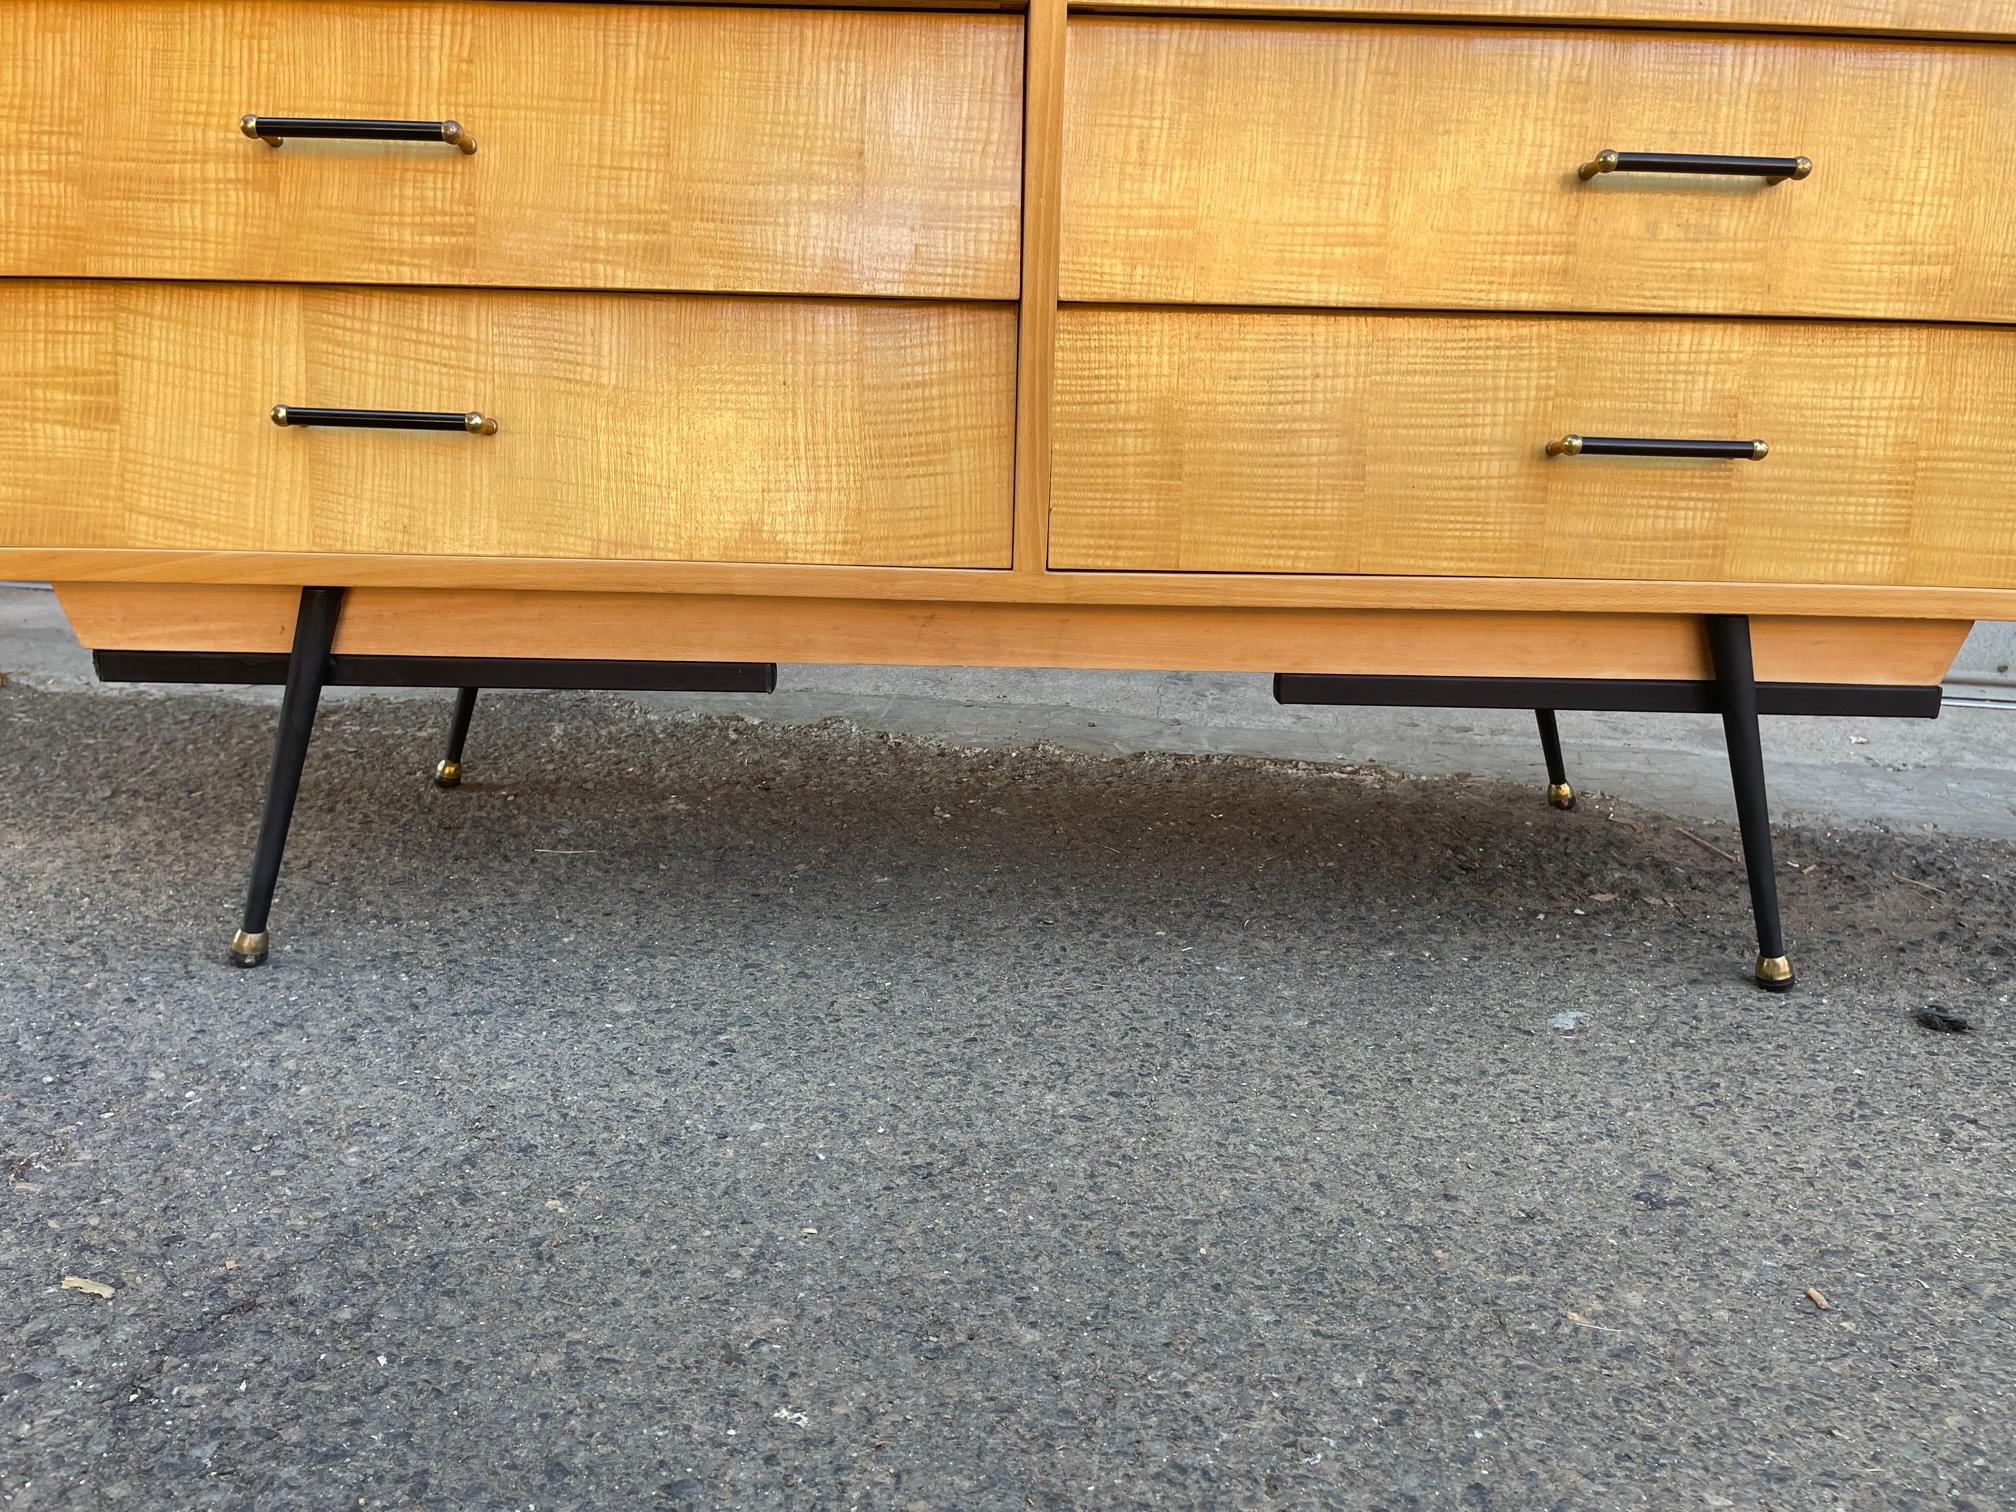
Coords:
pixel 273 130
pixel 1636 446
pixel 1773 170
pixel 359 419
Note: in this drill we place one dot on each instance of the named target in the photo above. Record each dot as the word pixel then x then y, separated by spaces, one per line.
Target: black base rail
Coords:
pixel 1605 695
pixel 348 671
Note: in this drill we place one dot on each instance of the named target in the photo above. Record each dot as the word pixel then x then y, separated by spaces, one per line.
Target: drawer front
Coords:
pixel 1303 442
pixel 1945 18
pixel 623 146
pixel 630 426
pixel 1283 163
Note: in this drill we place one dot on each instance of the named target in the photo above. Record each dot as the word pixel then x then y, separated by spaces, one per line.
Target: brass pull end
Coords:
pixel 1567 446
pixel 1604 162
pixel 453 134
pixel 486 425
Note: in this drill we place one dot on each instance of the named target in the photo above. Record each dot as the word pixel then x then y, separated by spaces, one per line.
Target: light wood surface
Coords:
pixel 661 426
pixel 1174 590
pixel 405 622
pixel 1281 163
pixel 619 146
pixel 1220 441
pixel 1042 159
pixel 1941 18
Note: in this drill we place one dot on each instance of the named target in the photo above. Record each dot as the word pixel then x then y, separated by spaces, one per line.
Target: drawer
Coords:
pixel 618 146
pixel 682 427
pixel 1317 442
pixel 1946 18
pixel 1285 163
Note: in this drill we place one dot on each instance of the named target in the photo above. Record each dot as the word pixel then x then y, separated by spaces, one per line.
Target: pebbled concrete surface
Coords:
pixel 692 1112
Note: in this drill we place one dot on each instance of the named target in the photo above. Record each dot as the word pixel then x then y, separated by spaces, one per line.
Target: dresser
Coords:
pixel 1603 354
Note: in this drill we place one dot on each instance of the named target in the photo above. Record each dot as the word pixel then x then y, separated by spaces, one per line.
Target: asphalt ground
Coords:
pixel 697 1112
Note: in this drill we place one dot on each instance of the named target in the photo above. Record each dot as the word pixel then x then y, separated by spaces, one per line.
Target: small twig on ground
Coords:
pixel 1581 1322
pixel 1708 845
pixel 1914 882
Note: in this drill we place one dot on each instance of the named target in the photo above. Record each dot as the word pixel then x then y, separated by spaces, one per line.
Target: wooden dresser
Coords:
pixel 1553 353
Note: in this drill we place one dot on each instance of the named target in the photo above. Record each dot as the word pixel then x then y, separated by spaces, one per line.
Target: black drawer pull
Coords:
pixel 273 130
pixel 1635 446
pixel 1773 170
pixel 428 420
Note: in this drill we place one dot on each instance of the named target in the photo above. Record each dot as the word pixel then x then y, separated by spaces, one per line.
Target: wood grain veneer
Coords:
pixel 619 146
pixel 405 622
pixel 1217 441
pixel 1280 163
pixel 1941 18
pixel 911 585
pixel 633 426
pixel 789 537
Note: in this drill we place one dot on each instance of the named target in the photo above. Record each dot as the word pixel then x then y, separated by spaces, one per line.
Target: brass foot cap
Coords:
pixel 448 774
pixel 1561 795
pixel 249 949
pixel 1774 973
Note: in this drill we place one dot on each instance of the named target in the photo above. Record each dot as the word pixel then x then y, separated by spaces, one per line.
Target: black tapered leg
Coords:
pixel 1736 687
pixel 307 670
pixel 1559 793
pixel 449 772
